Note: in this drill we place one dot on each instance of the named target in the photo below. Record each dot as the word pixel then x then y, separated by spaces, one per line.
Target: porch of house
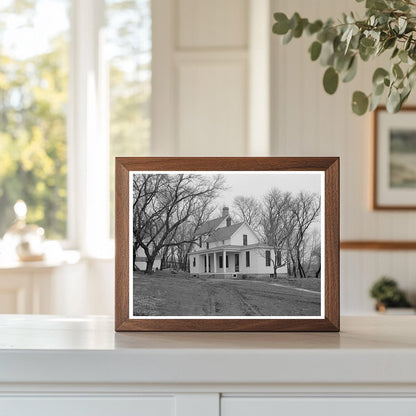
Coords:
pixel 220 262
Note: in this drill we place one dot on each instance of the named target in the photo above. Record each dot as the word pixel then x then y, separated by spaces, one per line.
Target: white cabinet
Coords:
pixel 79 366
pixel 267 406
pixel 87 406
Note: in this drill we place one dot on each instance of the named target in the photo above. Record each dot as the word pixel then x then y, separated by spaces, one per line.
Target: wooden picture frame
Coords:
pixel 391 178
pixel 327 168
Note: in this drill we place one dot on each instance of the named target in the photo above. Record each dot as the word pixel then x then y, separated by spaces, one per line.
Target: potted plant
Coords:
pixel 387 294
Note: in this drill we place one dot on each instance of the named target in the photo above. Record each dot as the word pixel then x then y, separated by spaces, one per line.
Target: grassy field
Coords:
pixel 165 294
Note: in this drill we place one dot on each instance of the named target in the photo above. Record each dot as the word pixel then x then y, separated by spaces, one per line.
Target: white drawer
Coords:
pixel 87 406
pixel 273 406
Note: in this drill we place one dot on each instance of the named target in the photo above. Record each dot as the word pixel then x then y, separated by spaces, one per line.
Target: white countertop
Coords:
pixel 52 349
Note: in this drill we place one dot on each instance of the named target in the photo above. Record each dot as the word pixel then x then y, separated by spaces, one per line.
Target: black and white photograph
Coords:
pixel 229 244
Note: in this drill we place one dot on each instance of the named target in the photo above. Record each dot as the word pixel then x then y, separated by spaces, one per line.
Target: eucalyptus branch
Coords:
pixel 388 26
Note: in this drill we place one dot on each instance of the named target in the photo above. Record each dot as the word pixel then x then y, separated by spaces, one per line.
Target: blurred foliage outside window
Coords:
pixel 34 68
pixel 33 101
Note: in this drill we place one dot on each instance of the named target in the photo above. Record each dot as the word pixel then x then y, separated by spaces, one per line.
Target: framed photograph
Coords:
pixel 394 179
pixel 227 244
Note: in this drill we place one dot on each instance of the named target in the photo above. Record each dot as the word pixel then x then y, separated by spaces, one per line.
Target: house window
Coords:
pixel 247 259
pixel 267 258
pixel 207 245
pixel 220 262
pixel 200 242
pixel 244 239
pixel 226 261
pixel 194 261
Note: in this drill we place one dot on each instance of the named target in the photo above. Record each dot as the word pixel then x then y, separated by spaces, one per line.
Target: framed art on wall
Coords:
pixel 394 178
pixel 227 244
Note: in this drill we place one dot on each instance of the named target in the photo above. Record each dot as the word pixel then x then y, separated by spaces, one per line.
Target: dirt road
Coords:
pixel 170 295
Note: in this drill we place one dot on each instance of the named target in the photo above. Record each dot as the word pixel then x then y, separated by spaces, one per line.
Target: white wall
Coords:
pixel 203 84
pixel 208 96
pixel 237 237
pixel 308 122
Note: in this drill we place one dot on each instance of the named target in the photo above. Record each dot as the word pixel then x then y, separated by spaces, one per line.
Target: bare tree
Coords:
pixel 162 203
pixel 248 210
pixel 277 224
pixel 306 208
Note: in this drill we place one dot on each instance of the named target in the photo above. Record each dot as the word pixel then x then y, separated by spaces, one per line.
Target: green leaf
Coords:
pixel 402 24
pixel 359 103
pixel 397 71
pixel 408 42
pixel 374 102
pixel 403 56
pixel 281 27
pixel 367 42
pixel 330 80
pixel 298 30
pixel 341 61
pixel 379 75
pixel 378 89
pixel 314 27
pixel 395 52
pixel 351 71
pixel 393 101
pixel 288 37
pixel 389 43
pixel 376 4
pixel 327 53
pixel 315 50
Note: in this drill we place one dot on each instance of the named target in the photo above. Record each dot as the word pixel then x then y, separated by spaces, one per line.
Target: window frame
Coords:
pixel 247 259
pixel 268 258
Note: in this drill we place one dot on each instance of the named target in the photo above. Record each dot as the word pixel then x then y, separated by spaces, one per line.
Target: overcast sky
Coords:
pixel 258 184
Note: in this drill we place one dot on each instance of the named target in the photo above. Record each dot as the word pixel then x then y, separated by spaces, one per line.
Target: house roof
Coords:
pixel 209 226
pixel 223 233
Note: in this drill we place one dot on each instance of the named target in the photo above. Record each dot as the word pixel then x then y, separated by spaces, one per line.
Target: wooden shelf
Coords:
pixel 378 245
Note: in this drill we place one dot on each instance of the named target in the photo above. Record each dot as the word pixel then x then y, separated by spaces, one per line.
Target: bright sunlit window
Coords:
pixel 33 102
pixel 41 75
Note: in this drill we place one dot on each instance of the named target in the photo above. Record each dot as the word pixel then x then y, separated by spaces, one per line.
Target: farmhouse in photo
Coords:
pixel 230 249
pixel 226 244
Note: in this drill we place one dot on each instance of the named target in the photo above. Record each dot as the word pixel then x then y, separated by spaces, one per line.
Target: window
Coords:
pixel 200 242
pixel 129 53
pixel 220 262
pixel 244 239
pixel 267 258
pixel 193 261
pixel 247 259
pixel 59 134
pixel 226 261
pixel 207 245
pixel 34 69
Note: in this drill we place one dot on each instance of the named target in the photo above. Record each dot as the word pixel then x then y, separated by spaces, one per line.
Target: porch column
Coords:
pixel 215 262
pixel 224 261
pixel 206 263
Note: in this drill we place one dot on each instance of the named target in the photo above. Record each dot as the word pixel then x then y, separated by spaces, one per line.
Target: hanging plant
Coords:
pixel 389 27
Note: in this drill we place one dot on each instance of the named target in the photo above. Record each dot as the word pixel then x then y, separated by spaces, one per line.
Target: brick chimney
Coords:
pixel 225 212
